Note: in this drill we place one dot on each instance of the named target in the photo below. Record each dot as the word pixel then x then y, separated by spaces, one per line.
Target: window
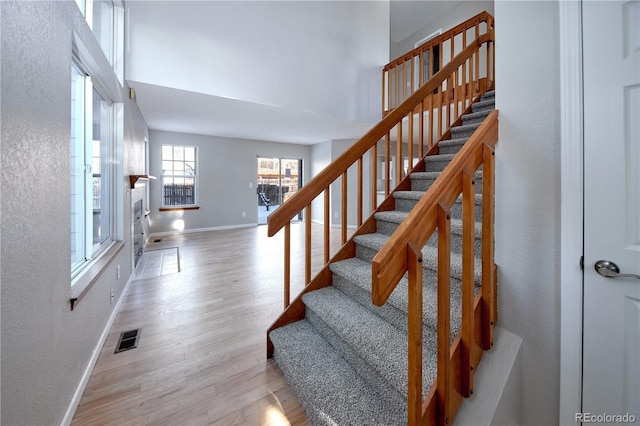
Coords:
pixel 106 21
pixel 179 176
pixel 92 170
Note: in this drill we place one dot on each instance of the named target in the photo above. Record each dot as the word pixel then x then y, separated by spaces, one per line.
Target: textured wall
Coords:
pixel 227 166
pixel 528 195
pixel 45 346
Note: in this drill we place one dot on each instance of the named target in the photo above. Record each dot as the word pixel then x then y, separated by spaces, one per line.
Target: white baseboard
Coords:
pixel 195 230
pixel 84 380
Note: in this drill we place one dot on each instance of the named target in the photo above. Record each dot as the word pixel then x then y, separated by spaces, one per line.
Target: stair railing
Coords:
pixel 402 253
pixel 377 139
pixel 420 103
pixel 404 75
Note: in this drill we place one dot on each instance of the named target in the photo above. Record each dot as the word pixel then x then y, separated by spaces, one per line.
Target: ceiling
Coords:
pixel 181 111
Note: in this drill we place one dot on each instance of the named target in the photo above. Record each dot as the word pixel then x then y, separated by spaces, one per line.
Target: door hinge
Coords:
pixel 582 263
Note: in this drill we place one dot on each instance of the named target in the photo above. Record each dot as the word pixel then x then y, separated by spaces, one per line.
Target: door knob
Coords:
pixel 608 269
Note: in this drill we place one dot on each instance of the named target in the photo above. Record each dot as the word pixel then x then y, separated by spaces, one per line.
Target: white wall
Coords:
pixel 527 240
pixel 322 57
pixel 46 347
pixel 226 167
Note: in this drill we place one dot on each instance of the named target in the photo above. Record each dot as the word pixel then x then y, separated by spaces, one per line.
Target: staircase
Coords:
pixel 347 360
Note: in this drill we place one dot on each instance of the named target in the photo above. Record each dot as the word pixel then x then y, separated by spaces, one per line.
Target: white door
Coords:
pixel 611 346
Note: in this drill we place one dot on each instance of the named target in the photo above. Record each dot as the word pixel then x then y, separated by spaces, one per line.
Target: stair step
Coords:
pixel 406 200
pixel 422 181
pixel 464 131
pixel 430 261
pixel 437 163
pixel 368 245
pixel 490 94
pixel 387 222
pixel 315 371
pixel 374 348
pixel 475 117
pixel 451 146
pixel 490 104
pixel 353 277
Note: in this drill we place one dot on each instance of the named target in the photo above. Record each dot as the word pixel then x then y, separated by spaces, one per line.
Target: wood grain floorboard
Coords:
pixel 201 357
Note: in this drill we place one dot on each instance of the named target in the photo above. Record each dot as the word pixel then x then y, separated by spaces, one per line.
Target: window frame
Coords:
pixel 194 176
pixel 91 251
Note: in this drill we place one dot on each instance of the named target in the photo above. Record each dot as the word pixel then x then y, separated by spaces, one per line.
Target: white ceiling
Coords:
pixel 181 111
pixel 188 111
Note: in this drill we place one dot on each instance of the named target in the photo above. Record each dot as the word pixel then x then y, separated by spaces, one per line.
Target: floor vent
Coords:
pixel 128 340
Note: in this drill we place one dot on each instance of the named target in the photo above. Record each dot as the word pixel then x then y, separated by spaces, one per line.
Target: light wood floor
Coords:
pixel 201 357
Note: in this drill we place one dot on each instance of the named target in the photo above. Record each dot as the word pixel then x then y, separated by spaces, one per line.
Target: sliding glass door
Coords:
pixel 278 180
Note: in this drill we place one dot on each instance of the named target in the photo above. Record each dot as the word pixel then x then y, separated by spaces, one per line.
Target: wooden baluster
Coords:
pixel 403 87
pixel 456 93
pixel 399 153
pixel 397 86
pixel 344 208
pixel 452 108
pixel 431 121
pixel 307 239
pixel 421 131
pixel 465 99
pixel 477 59
pixel 359 207
pixel 421 68
pixel 488 282
pixel 414 361
pixel 413 78
pixel 374 177
pixel 327 224
pixel 410 142
pixel 385 92
pixel 287 265
pixel 468 242
pixel 444 299
pixel 387 164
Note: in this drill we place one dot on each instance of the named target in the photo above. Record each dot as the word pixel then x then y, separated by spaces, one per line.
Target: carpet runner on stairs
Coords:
pixel 347 360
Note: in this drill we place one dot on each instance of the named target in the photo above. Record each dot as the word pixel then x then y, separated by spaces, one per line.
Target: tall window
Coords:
pixel 92 170
pixel 179 176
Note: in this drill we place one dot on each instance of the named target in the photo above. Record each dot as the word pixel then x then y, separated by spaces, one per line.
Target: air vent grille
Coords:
pixel 128 340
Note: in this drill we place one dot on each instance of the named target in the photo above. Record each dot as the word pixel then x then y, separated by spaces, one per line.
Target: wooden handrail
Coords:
pixel 389 264
pixel 326 177
pixel 395 72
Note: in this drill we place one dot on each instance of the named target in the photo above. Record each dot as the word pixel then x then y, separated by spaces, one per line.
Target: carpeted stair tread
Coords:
pixel 408 195
pixel 392 216
pixel 357 273
pixel 376 342
pixel 430 260
pixel 325 383
pixel 465 128
pixel 438 158
pixel 489 94
pixel 372 241
pixel 424 175
pixel 490 103
pixel 475 117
